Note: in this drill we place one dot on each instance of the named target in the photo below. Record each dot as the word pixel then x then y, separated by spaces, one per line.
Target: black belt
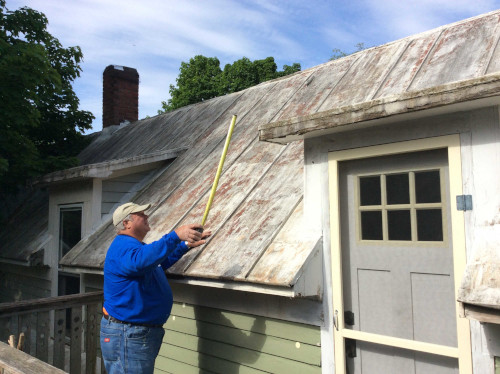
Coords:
pixel 113 319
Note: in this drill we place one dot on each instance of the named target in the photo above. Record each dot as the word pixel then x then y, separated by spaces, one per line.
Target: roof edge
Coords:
pixel 107 168
pixel 295 128
pixel 481 313
pixel 285 291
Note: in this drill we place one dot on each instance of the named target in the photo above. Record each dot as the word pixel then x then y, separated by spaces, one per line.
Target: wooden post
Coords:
pixel 75 352
pixel 20 343
pixel 12 341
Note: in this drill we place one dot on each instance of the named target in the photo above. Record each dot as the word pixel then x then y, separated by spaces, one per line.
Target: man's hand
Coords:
pixel 205 234
pixel 191 236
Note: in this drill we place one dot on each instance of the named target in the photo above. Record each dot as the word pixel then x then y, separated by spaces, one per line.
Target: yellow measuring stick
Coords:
pixel 219 170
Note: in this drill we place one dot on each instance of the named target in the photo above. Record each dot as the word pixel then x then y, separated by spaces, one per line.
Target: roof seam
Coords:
pixel 490 59
pixel 389 71
pixel 280 110
pixel 429 53
pixel 338 82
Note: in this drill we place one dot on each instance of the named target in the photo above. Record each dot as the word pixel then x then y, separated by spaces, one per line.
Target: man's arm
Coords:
pixel 182 248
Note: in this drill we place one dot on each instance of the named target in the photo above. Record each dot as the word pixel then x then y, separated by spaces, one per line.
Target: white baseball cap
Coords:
pixel 124 210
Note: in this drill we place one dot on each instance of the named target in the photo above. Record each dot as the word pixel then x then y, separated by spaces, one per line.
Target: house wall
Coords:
pixel 113 190
pixel 71 193
pixel 199 338
pixel 480 137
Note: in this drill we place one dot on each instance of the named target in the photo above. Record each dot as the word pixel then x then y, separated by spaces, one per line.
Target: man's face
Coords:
pixel 139 224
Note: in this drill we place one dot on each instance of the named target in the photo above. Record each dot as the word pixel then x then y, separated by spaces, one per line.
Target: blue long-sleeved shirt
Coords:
pixel 136 289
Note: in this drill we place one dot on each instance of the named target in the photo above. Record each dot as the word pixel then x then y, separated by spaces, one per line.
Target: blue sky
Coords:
pixel 155 36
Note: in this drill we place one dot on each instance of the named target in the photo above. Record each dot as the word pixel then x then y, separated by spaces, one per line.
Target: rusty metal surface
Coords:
pixel 250 228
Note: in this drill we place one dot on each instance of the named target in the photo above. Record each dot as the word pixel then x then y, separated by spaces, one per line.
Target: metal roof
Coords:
pixel 256 213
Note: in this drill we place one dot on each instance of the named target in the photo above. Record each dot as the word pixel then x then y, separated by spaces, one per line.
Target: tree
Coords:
pixel 41 127
pixel 202 79
pixel 197 81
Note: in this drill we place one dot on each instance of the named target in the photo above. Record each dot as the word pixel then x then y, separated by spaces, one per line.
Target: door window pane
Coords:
pixel 398 189
pixel 370 190
pixel 428 187
pixel 399 224
pixel 429 225
pixel 371 225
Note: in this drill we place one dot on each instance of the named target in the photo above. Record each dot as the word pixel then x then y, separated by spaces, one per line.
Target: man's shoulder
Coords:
pixel 122 238
pixel 122 242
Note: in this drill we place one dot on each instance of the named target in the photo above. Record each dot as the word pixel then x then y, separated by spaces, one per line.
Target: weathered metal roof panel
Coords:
pixel 320 82
pixel 463 51
pixel 283 260
pixel 166 131
pixel 410 62
pixel 365 76
pixel 239 244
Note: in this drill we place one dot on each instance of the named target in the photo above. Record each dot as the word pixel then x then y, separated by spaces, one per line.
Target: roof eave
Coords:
pixel 468 95
pixel 109 169
pixel 284 291
pixel 481 313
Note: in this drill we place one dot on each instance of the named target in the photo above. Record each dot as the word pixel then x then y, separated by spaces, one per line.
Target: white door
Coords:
pixel 397 265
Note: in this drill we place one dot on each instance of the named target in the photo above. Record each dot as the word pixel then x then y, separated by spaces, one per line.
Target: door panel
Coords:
pixel 397 259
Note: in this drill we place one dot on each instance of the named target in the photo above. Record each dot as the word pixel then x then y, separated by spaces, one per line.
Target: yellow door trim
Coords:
pixel 438 349
pixel 452 143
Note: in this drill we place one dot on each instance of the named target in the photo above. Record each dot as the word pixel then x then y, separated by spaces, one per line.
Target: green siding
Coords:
pixel 206 340
pixel 497 365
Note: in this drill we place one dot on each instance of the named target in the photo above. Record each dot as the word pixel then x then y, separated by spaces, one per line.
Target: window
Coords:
pixel 70 233
pixel 70 228
pixel 405 206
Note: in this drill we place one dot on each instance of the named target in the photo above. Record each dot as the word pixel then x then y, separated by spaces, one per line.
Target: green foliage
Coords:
pixel 41 129
pixel 202 79
pixel 337 53
pixel 197 81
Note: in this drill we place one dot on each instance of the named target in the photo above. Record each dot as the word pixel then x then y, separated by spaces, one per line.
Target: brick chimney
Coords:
pixel 120 96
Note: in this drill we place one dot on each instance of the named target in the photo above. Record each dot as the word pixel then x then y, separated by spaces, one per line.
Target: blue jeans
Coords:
pixel 129 349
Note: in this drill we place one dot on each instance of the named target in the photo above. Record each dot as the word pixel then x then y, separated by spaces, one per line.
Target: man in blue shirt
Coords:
pixel 137 297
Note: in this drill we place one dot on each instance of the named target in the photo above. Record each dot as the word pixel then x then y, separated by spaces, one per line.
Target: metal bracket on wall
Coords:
pixel 464 202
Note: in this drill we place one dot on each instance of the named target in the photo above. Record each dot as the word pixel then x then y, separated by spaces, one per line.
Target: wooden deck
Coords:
pixel 51 338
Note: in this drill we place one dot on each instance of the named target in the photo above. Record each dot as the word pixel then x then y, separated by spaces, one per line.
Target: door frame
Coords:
pixel 452 144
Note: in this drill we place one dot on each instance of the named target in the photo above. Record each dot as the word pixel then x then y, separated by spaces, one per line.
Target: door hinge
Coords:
pixel 464 202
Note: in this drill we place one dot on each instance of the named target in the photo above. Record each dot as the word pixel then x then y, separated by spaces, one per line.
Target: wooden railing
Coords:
pixel 68 344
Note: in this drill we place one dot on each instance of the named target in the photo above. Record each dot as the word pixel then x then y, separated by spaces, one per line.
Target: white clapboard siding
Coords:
pixel 114 189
